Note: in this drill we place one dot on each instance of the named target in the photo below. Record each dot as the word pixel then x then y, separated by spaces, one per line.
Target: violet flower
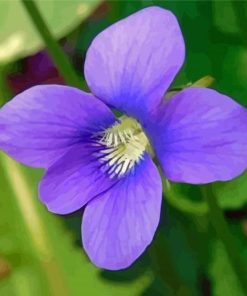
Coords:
pixel 94 159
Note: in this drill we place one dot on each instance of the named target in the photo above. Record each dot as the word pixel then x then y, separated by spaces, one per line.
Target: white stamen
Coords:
pixel 124 145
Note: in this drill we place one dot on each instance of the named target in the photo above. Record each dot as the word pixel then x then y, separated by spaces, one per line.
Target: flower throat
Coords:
pixel 123 146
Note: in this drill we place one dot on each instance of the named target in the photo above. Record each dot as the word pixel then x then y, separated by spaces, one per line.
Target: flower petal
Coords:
pixel 39 125
pixel 119 224
pixel 73 180
pixel 131 64
pixel 200 137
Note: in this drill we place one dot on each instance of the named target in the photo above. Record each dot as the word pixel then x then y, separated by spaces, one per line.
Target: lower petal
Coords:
pixel 119 224
pixel 73 180
pixel 200 137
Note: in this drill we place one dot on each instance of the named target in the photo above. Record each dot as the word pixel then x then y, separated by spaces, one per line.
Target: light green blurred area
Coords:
pixel 18 37
pixel 43 256
pixel 41 253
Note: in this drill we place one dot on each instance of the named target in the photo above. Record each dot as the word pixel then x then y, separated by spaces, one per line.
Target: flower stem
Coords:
pixel 59 58
pixel 5 93
pixel 162 264
pixel 219 223
pixel 181 202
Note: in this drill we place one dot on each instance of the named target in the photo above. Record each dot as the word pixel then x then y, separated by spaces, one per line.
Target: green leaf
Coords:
pixel 18 37
pixel 26 276
pixel 232 71
pixel 187 238
pixel 42 255
pixel 232 194
pixel 222 11
pixel 224 281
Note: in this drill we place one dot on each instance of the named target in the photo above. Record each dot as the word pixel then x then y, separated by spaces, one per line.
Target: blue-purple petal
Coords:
pixel 200 136
pixel 131 64
pixel 118 225
pixel 74 179
pixel 42 123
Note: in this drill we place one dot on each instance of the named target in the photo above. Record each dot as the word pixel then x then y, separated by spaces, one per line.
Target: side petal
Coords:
pixel 131 64
pixel 73 180
pixel 200 137
pixel 119 224
pixel 39 125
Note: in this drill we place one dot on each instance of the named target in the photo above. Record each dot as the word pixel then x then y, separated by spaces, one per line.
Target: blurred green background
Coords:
pixel 41 253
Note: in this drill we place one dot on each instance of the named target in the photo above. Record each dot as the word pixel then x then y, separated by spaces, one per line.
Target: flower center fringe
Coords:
pixel 123 146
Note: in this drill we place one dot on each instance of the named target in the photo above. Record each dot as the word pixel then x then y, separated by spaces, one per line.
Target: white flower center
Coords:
pixel 123 145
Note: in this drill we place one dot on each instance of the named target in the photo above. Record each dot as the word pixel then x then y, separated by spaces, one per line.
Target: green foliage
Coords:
pixel 44 257
pixel 224 281
pixel 222 11
pixel 232 194
pixel 18 37
pixel 185 197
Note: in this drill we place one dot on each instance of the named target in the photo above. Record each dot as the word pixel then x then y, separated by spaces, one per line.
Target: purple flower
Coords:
pixel 93 159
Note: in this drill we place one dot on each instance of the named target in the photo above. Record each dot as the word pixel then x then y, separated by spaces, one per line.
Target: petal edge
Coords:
pixel 200 136
pixel 131 64
pixel 118 225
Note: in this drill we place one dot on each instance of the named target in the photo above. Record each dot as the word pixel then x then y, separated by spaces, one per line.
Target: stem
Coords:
pixel 5 93
pixel 181 202
pixel 60 59
pixel 205 81
pixel 220 225
pixel 162 263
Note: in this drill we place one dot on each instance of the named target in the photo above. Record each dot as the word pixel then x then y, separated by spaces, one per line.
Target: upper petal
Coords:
pixel 39 125
pixel 131 64
pixel 119 224
pixel 200 136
